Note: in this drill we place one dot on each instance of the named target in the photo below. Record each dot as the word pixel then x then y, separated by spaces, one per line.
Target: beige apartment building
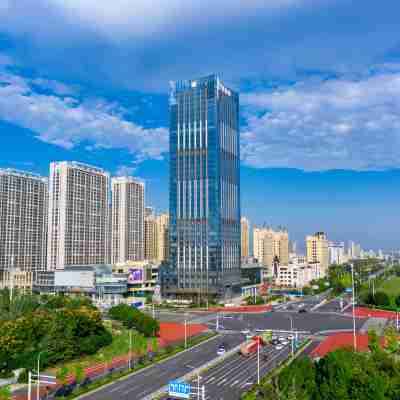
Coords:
pixel 268 244
pixel 127 219
pixel 162 226
pixel 244 223
pixel 78 223
pixel 317 251
pixel 156 236
pixel 23 227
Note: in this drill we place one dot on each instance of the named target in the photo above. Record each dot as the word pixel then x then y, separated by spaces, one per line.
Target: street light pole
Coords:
pixel 130 349
pixel 258 361
pixel 29 385
pixel 291 330
pixel 354 301
pixel 38 377
pixel 12 277
pixel 185 332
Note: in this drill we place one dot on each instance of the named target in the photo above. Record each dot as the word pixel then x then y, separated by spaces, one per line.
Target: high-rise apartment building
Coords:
pixel 78 222
pixel 156 236
pixel 268 244
pixel 23 227
pixel 162 237
pixel 275 246
pixel 258 243
pixel 317 250
pixel 244 222
pixel 204 188
pixel 127 219
pixel 150 235
pixel 336 253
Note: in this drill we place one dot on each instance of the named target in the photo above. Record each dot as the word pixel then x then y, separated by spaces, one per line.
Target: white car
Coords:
pixel 260 330
pixel 221 351
pixel 281 338
pixel 290 337
pixel 284 342
pixel 245 332
pixel 279 347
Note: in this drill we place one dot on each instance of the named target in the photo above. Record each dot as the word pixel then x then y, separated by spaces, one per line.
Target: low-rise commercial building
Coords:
pixel 96 281
pixel 297 275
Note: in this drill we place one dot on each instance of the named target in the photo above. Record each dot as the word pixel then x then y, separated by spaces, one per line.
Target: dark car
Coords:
pixel 302 310
pixel 64 391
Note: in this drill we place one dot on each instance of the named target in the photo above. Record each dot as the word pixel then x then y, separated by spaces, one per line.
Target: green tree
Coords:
pixel 5 393
pixel 392 340
pixel 79 374
pixel 373 341
pixel 381 299
pixel 62 375
pixel 397 301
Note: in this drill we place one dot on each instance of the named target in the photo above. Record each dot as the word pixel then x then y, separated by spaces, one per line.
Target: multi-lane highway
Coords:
pixel 234 374
pixel 230 378
pixel 142 384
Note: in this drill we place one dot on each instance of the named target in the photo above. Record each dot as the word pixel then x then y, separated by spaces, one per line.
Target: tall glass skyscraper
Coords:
pixel 204 189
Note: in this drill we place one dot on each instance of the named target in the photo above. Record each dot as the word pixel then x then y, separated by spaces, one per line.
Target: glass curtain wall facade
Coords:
pixel 205 242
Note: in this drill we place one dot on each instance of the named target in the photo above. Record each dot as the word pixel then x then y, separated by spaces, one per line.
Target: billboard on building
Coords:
pixel 74 279
pixel 135 275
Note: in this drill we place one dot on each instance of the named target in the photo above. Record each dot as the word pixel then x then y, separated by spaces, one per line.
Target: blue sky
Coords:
pixel 320 99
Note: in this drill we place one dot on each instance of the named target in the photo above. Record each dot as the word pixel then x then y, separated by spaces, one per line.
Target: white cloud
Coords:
pixel 125 170
pixel 68 122
pixel 128 19
pixel 333 124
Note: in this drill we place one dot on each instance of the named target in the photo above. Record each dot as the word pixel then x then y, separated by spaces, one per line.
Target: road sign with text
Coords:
pixel 180 390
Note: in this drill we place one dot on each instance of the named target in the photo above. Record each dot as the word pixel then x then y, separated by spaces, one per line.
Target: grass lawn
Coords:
pixel 391 286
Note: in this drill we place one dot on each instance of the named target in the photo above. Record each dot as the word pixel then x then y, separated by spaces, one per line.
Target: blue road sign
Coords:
pixel 180 390
pixel 348 290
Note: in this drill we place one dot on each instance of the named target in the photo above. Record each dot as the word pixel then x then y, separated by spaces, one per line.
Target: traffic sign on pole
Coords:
pixel 178 389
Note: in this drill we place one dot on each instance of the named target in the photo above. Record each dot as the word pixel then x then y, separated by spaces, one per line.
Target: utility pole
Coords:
pixel 154 312
pixel 217 324
pixel 354 301
pixel 397 320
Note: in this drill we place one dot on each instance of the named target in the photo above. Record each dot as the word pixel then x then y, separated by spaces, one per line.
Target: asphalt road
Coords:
pixel 307 322
pixel 137 386
pixel 232 377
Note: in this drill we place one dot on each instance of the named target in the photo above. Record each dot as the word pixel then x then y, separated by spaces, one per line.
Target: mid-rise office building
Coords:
pixel 317 251
pixel 78 226
pixel 23 227
pixel 244 222
pixel 205 228
pixel 127 219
